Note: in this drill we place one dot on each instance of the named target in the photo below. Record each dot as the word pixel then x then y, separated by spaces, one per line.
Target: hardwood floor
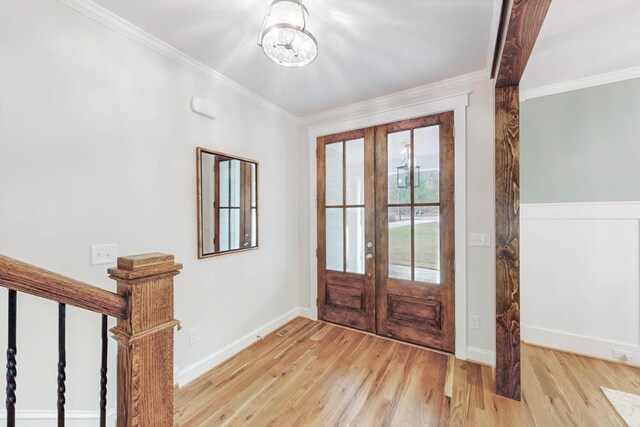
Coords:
pixel 320 374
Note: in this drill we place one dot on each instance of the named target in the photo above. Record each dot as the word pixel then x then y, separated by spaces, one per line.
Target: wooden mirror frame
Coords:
pixel 199 152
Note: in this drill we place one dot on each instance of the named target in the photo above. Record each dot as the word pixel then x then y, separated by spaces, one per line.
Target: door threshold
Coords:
pixel 435 350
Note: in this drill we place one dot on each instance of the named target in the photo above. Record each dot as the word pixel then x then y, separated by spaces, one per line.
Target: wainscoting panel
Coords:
pixel 580 278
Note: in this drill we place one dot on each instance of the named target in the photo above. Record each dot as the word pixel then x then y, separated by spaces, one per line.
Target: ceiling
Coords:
pixel 368 48
pixel 584 38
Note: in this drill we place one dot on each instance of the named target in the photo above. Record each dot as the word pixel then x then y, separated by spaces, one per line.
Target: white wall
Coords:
pixel 480 271
pixel 98 145
pixel 580 277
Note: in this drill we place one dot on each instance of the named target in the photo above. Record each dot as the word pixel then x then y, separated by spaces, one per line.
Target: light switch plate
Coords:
pixel 104 254
pixel 194 335
pixel 474 322
pixel 482 240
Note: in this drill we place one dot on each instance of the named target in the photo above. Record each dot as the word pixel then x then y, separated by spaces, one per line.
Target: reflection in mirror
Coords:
pixel 227 203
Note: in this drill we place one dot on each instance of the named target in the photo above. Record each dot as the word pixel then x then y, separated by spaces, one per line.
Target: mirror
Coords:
pixel 227 203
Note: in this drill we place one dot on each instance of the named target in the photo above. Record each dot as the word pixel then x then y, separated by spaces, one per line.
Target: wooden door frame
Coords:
pixel 524 23
pixel 458 104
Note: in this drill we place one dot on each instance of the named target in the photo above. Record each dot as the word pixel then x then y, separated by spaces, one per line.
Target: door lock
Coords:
pixel 369 256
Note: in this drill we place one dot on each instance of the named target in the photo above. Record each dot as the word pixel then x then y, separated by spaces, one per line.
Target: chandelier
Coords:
pixel 285 37
pixel 403 172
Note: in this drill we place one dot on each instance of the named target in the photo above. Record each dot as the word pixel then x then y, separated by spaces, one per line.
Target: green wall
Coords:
pixel 582 146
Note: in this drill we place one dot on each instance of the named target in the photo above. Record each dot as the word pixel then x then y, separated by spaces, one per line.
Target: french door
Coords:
pixel 386 230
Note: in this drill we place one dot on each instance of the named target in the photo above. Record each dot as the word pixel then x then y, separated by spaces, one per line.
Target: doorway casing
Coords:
pixel 458 104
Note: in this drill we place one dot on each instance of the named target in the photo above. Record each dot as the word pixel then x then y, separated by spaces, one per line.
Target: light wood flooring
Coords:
pixel 320 374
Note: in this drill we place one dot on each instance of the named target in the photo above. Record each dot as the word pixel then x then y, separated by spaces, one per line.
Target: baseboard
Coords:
pixel 306 313
pixel 204 365
pixel 48 418
pixel 579 344
pixel 480 355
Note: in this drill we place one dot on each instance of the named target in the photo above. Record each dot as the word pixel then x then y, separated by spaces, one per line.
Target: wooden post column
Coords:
pixel 524 24
pixel 507 183
pixel 145 340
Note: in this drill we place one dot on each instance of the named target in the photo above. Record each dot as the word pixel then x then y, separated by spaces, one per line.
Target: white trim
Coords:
pixel 127 29
pixel 573 213
pixel 480 355
pixel 403 99
pixel 207 363
pixel 595 210
pixel 458 104
pixel 493 36
pixel 415 95
pixel 395 100
pixel 578 344
pixel 46 418
pixel 583 83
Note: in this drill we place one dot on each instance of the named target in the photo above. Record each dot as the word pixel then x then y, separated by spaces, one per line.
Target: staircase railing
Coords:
pixel 143 307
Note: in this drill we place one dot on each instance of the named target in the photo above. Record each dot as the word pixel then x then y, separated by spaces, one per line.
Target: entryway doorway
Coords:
pixel 386 233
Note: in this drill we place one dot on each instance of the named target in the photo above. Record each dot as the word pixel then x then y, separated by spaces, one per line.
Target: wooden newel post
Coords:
pixel 145 340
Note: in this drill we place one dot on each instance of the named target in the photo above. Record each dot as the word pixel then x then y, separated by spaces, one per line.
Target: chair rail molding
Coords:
pixel 458 104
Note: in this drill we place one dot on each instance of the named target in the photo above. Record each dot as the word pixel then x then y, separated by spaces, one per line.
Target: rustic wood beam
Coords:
pixel 507 183
pixel 525 22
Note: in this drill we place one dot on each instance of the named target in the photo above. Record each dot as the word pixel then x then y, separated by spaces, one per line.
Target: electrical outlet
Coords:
pixel 623 356
pixel 474 321
pixel 194 336
pixel 104 254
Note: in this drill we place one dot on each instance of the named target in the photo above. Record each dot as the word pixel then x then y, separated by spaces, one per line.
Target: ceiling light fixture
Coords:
pixel 285 37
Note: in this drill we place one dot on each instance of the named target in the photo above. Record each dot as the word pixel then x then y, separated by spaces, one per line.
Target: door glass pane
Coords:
pixel 426 165
pixel 254 227
pixel 355 171
pixel 398 164
pixel 254 187
pixel 224 184
pixel 427 244
pixel 400 243
pixel 223 245
pixel 235 229
pixel 334 236
pixel 355 240
pixel 234 192
pixel 333 171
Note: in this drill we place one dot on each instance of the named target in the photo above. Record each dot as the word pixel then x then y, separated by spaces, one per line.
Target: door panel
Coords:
pixel 346 225
pixel 415 231
pixel 386 230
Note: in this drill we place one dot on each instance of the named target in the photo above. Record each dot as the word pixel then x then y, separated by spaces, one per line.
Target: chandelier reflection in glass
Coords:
pixel 285 36
pixel 403 172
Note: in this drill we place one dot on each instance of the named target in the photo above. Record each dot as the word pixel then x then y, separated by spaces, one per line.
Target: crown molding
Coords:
pixel 583 83
pixel 127 29
pixel 405 98
pixel 396 100
pixel 415 95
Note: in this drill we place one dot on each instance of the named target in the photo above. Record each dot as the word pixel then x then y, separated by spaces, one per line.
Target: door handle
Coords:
pixel 369 256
